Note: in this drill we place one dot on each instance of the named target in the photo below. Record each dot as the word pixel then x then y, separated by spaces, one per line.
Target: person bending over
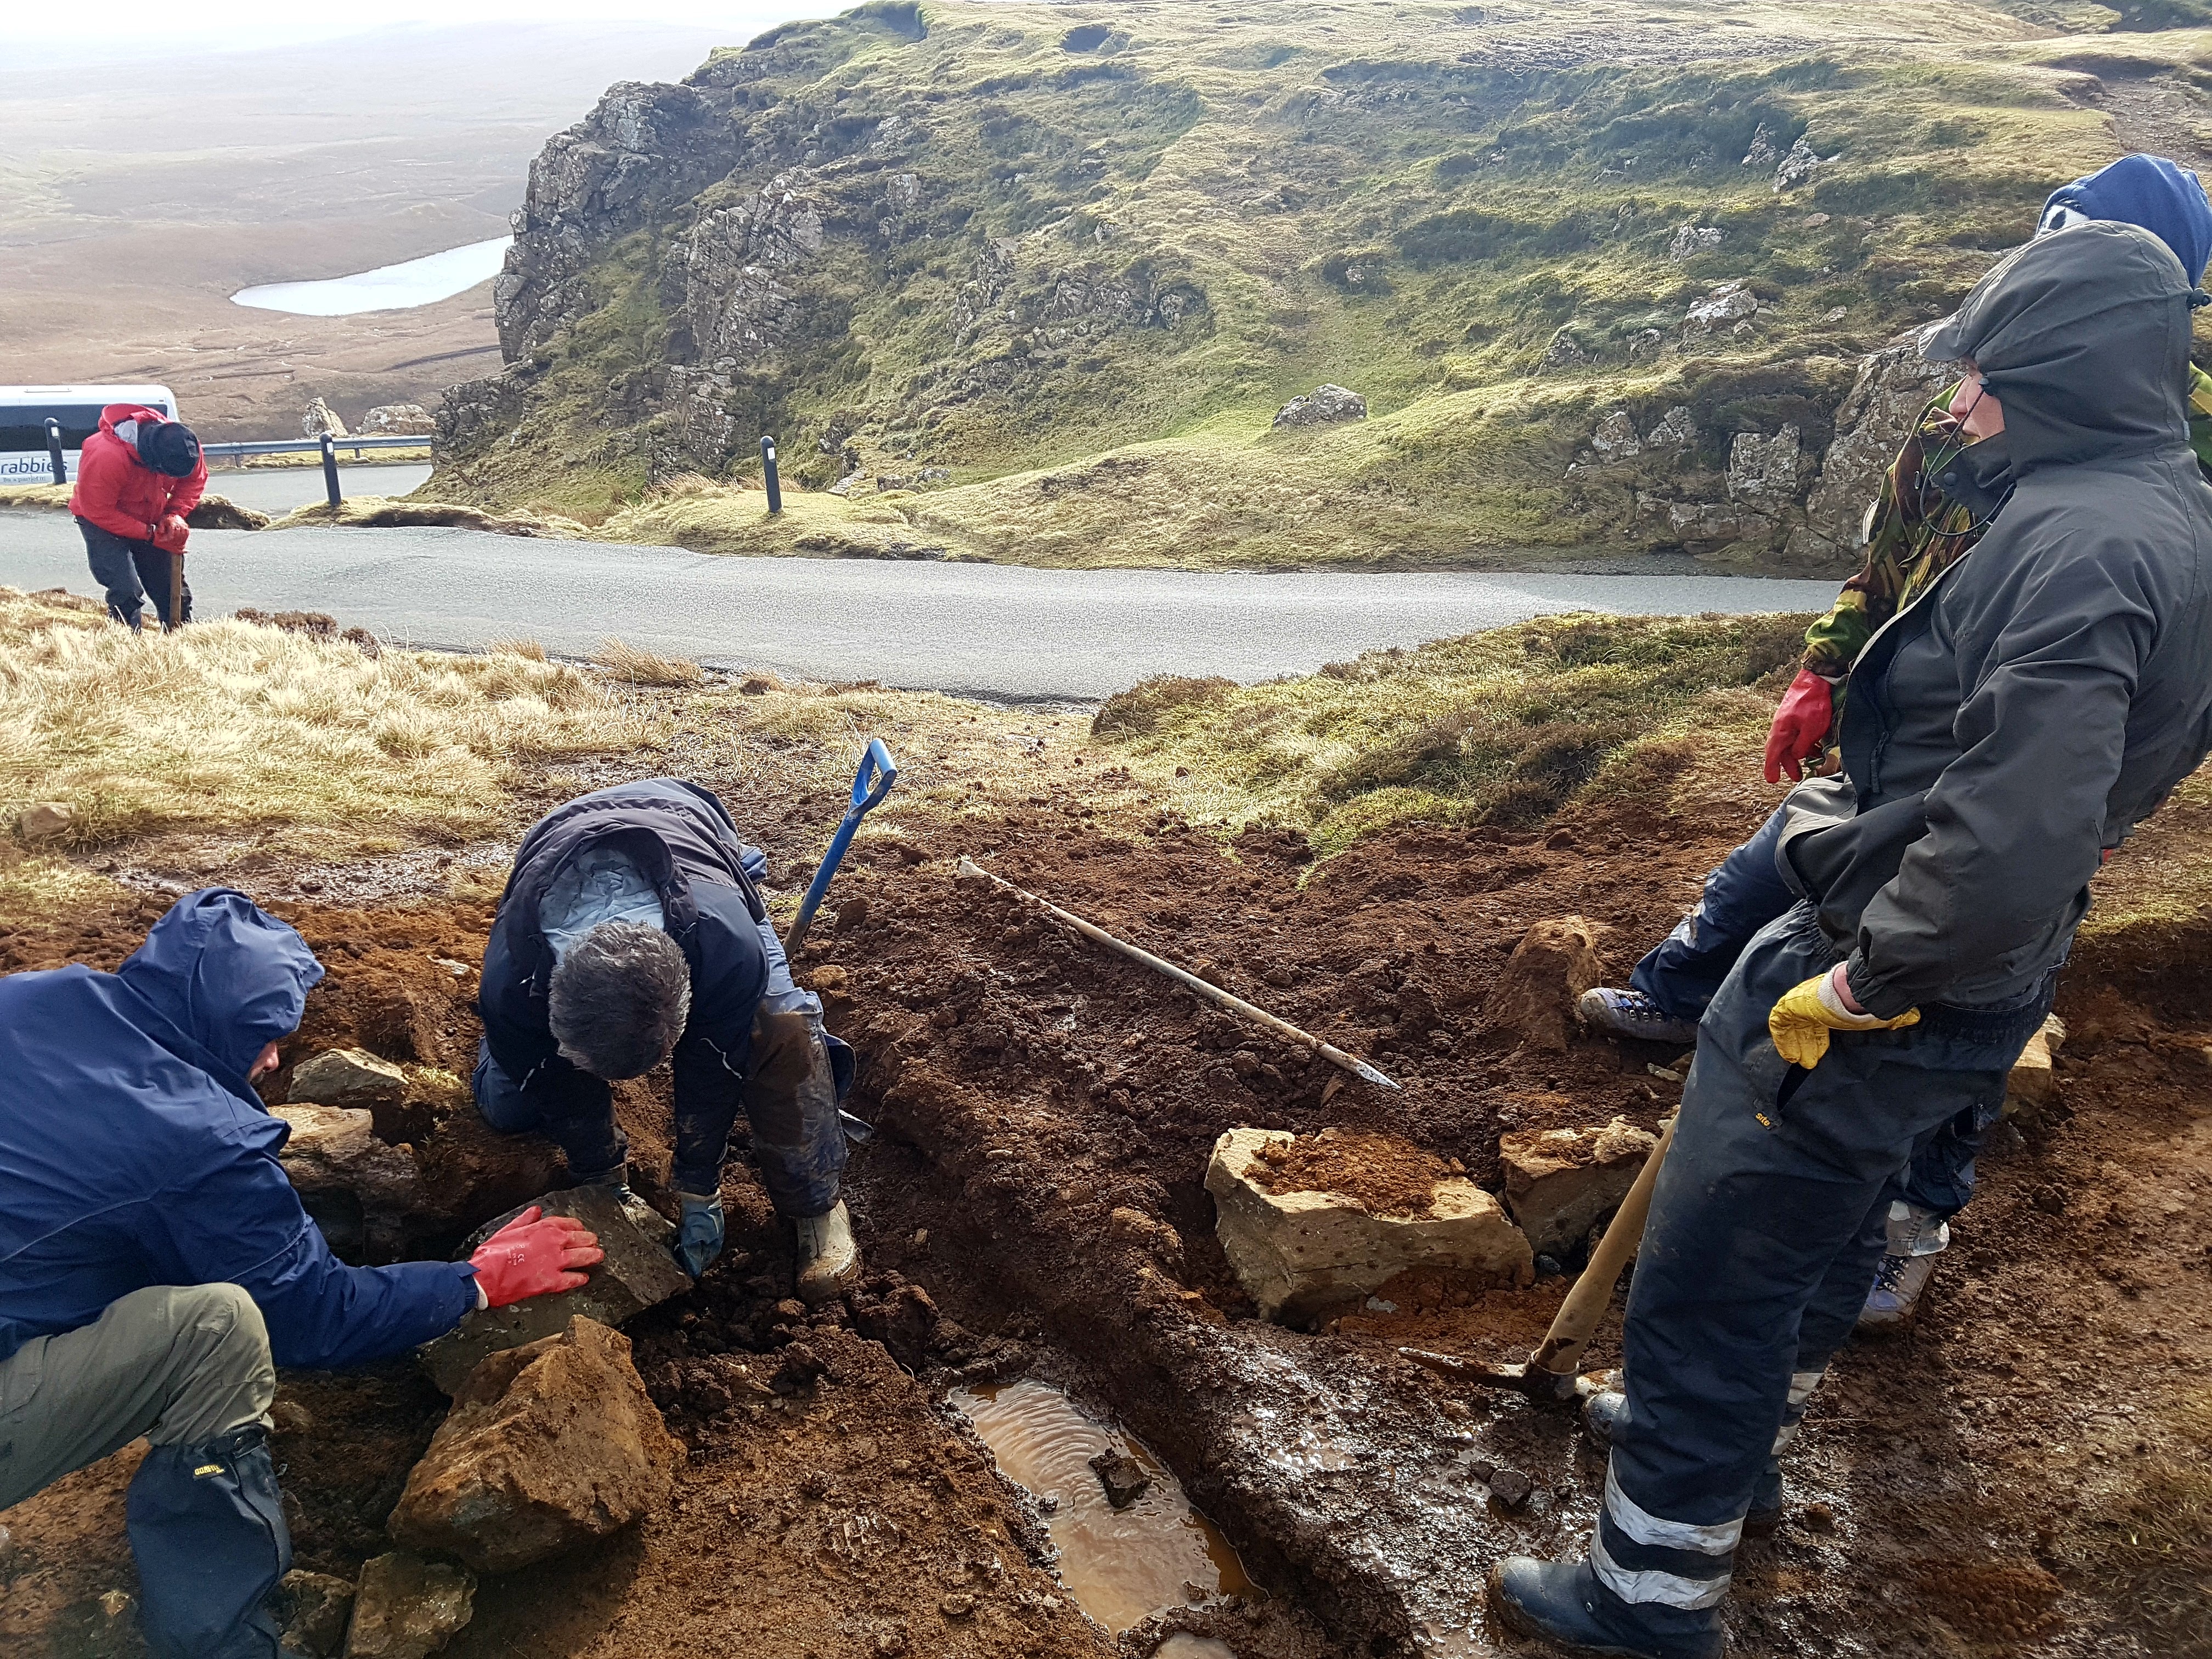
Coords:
pixel 2010 727
pixel 1918 528
pixel 155 1266
pixel 630 933
pixel 138 476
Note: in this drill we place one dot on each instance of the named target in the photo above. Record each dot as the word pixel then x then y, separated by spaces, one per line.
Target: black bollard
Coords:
pixel 768 471
pixel 54 450
pixel 331 471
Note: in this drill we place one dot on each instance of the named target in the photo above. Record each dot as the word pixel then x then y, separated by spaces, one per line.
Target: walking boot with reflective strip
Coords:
pixel 1566 1602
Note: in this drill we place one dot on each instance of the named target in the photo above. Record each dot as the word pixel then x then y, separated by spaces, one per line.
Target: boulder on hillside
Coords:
pixel 1300 1254
pixel 1555 962
pixel 44 820
pixel 547 1447
pixel 397 420
pixel 1614 438
pixel 1560 1182
pixel 1690 239
pixel 1894 384
pixel 407 1608
pixel 1325 405
pixel 319 418
pixel 1727 304
pixel 1764 471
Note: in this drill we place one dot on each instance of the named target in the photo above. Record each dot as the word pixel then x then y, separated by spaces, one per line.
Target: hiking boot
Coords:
pixel 828 1259
pixel 1897 1283
pixel 1633 1014
pixel 1603 1410
pixel 1563 1602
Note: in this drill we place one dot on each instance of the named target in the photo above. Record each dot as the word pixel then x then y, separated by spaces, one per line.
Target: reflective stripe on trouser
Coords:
pixel 1802 1384
pixel 1766 1228
pixel 1643 1557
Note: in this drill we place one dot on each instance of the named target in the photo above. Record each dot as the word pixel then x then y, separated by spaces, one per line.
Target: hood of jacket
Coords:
pixel 217 981
pixel 124 421
pixel 2083 335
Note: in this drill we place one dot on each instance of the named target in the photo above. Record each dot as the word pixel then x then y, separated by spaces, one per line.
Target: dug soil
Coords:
pixel 1033 1203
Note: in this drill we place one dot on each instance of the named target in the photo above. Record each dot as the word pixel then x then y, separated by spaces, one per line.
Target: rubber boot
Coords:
pixel 1563 1602
pixel 829 1258
pixel 1605 1408
pixel 208 1529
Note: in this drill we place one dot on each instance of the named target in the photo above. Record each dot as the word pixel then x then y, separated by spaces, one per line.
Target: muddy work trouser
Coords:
pixel 1684 971
pixel 1766 1228
pixel 130 571
pixel 188 1367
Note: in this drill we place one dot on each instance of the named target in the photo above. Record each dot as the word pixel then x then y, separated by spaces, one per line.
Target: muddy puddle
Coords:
pixel 1120 1566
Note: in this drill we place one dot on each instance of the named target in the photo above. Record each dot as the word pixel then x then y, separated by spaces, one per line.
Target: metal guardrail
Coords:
pixel 302 445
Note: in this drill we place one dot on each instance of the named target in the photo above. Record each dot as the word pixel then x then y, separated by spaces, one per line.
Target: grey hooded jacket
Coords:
pixel 2046 692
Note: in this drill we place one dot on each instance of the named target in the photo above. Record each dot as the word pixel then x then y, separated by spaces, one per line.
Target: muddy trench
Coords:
pixel 1033 1213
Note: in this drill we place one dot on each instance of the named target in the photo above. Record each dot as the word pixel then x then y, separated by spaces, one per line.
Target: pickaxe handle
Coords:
pixel 176 590
pixel 1575 1323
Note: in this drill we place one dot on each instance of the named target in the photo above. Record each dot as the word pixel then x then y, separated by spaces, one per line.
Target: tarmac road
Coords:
pixel 1000 631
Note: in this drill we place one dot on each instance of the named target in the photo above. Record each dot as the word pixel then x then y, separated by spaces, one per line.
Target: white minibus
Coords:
pixel 25 410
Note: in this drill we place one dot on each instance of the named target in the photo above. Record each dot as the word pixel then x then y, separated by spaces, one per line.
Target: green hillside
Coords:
pixel 1042 276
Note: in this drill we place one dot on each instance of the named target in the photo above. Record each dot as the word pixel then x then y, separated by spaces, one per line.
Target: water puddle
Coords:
pixel 388 287
pixel 1121 1566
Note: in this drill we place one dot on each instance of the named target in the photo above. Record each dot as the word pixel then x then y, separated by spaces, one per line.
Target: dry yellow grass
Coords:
pixel 639 666
pixel 231 726
pixel 530 648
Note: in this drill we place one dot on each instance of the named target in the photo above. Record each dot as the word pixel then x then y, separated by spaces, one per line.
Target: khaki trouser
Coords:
pixel 177 1364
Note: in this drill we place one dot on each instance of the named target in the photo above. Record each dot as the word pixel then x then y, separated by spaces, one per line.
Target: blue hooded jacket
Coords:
pixel 2146 190
pixel 134 1153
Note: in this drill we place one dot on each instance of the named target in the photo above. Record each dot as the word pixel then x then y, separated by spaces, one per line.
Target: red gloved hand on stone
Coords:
pixel 1801 726
pixel 531 1256
pixel 170 535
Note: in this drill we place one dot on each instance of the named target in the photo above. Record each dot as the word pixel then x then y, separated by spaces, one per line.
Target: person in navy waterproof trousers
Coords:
pixel 630 933
pixel 2000 736
pixel 155 1266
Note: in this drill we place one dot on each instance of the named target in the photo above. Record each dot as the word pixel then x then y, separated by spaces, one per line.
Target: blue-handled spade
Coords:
pixel 870 784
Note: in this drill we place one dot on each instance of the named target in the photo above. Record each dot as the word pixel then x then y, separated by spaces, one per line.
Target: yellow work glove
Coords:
pixel 1801 1022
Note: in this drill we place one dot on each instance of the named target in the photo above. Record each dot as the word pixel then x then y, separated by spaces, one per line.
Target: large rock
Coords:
pixel 397 421
pixel 1554 964
pixel 1299 1254
pixel 1615 438
pixel 1560 1182
pixel 1726 305
pixel 408 1608
pixel 333 1149
pixel 319 418
pixel 346 1077
pixel 2027 1091
pixel 45 820
pixel 547 1447
pixel 1764 471
pixel 1894 384
pixel 1325 405
pixel 638 1272
pixel 318 1607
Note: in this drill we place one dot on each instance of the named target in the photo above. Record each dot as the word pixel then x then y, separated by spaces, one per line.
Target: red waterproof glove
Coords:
pixel 533 1257
pixel 1801 726
pixel 170 534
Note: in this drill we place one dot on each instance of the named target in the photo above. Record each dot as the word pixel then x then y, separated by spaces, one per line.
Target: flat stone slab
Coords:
pixel 334 1149
pixel 1297 1253
pixel 346 1077
pixel 1560 1182
pixel 637 1273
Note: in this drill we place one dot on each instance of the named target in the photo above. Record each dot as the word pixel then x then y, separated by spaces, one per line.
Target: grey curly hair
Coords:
pixel 619 998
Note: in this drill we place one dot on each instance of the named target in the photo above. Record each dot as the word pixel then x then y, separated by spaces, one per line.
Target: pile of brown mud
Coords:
pixel 1385 1174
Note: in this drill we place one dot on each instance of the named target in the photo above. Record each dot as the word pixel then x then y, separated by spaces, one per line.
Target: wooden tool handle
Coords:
pixel 1575 1323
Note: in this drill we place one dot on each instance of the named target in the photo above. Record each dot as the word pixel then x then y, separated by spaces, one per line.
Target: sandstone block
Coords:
pixel 637 1273
pixel 1555 962
pixel 321 1605
pixel 44 820
pixel 332 1149
pixel 2027 1091
pixel 547 1446
pixel 1298 1253
pixel 1559 1182
pixel 408 1608
pixel 346 1077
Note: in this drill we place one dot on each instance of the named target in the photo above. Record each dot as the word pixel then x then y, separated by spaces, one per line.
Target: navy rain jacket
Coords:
pixel 133 1152
pixel 685 842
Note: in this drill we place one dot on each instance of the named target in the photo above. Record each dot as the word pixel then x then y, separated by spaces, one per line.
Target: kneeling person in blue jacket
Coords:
pixel 630 933
pixel 155 1266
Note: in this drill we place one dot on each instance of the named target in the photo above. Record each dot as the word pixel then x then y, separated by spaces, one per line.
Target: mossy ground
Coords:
pixel 1133 238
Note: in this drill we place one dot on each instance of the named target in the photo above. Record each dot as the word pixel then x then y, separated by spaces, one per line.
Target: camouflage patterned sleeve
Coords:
pixel 1896 535
pixel 2200 416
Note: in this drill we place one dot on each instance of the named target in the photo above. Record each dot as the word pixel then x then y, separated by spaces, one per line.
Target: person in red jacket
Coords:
pixel 140 475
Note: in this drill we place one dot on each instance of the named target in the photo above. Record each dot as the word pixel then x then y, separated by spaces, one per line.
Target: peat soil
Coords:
pixel 1032 1203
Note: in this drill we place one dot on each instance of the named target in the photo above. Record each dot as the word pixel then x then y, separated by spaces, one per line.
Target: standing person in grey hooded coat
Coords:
pixel 2000 736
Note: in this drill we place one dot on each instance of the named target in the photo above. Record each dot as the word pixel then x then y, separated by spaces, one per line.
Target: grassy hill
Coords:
pixel 1037 278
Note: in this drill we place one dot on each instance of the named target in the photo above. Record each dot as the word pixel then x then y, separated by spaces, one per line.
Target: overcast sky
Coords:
pixel 134 26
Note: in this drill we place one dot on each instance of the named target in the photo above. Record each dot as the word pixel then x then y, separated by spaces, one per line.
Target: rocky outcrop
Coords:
pixel 1763 471
pixel 477 414
pixel 1325 405
pixel 1894 384
pixel 396 420
pixel 1690 239
pixel 319 419
pixel 1725 307
pixel 547 1447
